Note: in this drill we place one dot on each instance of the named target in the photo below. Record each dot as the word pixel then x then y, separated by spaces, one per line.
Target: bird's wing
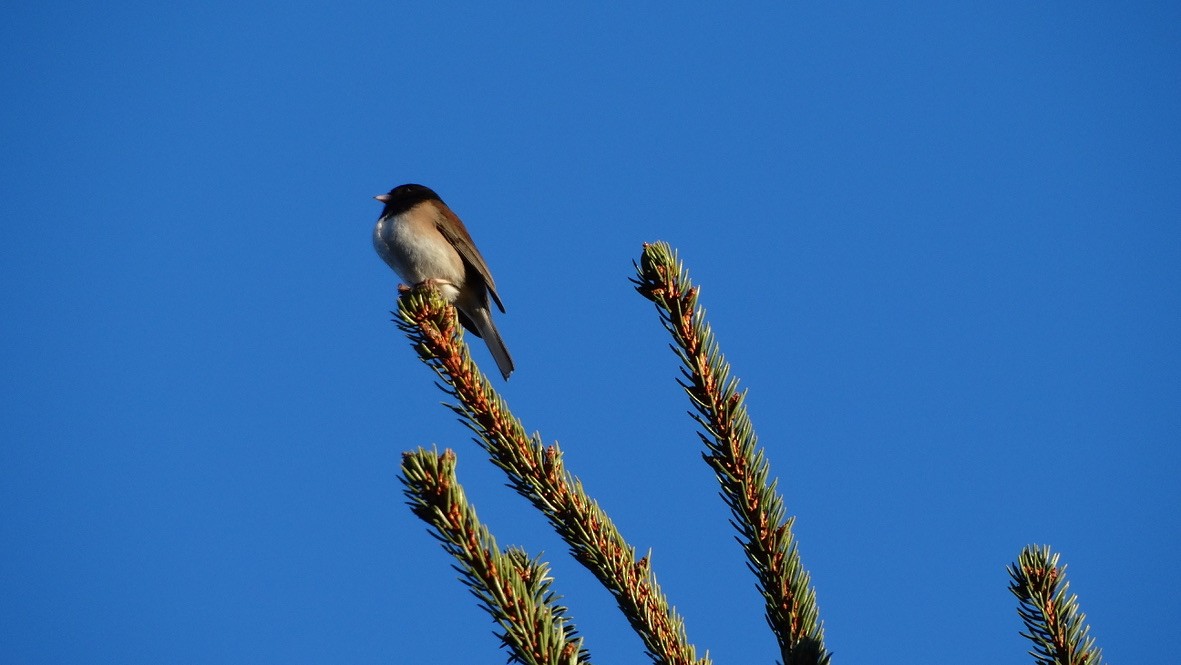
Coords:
pixel 456 233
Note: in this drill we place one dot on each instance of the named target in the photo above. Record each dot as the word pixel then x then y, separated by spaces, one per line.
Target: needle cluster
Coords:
pixel 1054 623
pixel 732 451
pixel 513 588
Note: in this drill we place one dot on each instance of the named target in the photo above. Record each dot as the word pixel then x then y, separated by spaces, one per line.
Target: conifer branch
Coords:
pixel 537 472
pixel 513 588
pixel 1056 627
pixel 732 451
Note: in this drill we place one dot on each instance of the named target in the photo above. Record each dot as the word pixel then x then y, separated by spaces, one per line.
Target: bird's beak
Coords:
pixel 384 198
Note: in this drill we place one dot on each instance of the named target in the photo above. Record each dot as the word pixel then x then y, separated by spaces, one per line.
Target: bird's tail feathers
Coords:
pixel 487 330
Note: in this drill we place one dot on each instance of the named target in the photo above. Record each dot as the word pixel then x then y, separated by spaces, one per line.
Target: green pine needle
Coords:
pixel 1054 623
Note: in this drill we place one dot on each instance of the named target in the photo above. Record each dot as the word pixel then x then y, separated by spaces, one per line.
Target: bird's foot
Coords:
pixel 435 282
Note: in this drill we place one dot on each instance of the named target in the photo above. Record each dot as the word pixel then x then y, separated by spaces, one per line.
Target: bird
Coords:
pixel 425 242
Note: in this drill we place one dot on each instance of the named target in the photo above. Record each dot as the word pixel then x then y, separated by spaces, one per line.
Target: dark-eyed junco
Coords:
pixel 422 240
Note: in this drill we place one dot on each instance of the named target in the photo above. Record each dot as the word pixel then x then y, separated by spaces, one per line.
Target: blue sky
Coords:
pixel 941 245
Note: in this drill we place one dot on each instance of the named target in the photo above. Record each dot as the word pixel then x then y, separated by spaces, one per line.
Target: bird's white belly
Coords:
pixel 419 254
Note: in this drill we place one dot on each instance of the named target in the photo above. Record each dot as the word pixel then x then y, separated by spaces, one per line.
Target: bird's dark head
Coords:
pixel 404 197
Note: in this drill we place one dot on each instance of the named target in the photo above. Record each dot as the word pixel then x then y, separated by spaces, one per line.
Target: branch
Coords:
pixel 732 451
pixel 513 588
pixel 1055 625
pixel 537 472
